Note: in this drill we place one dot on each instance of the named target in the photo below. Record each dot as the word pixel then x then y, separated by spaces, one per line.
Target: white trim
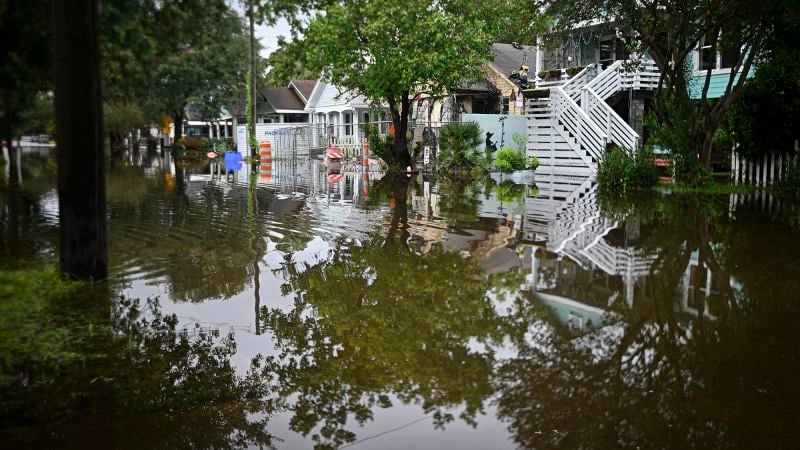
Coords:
pixel 291 111
pixel 299 92
pixel 314 97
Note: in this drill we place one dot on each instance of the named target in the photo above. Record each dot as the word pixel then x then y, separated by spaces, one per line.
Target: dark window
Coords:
pixel 505 105
pixel 705 58
pixel 729 57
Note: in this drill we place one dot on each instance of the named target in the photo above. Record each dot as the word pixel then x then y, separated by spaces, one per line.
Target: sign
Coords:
pixel 233 161
pixel 426 159
pixel 241 138
pixel 518 102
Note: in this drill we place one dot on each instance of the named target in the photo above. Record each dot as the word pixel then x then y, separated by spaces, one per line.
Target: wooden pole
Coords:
pixel 83 251
pixel 253 77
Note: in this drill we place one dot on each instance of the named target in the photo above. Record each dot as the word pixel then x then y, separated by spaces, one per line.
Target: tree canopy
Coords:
pixel 388 50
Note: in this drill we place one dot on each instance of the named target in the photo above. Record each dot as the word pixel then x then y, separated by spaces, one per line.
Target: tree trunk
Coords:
pixel 83 251
pixel 400 121
pixel 235 134
pixel 178 127
pixel 8 137
pixel 706 146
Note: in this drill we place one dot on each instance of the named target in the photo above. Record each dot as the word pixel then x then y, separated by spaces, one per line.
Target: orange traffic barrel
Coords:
pixel 266 150
pixel 266 171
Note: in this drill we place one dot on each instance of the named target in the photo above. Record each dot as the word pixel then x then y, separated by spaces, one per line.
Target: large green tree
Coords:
pixel 25 51
pixel 387 50
pixel 201 44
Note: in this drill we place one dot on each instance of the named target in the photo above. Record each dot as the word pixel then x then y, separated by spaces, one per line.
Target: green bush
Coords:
pixel 509 192
pixel 623 172
pixel 458 150
pixel 509 160
pixel 458 143
pixel 533 163
pixel 378 145
pixel 789 184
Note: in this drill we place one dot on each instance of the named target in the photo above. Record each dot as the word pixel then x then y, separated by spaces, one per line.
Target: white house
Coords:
pixel 341 112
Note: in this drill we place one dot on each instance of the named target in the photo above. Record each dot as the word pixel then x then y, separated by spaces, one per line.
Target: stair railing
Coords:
pixel 616 129
pixel 608 81
pixel 573 86
pixel 587 139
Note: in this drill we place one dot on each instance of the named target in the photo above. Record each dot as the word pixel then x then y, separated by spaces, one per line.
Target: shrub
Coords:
pixel 789 184
pixel 192 143
pixel 458 150
pixel 509 160
pixel 623 172
pixel 572 71
pixel 533 163
pixel 378 145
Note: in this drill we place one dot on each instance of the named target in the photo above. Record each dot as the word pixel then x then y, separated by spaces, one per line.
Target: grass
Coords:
pixel 26 325
pixel 713 188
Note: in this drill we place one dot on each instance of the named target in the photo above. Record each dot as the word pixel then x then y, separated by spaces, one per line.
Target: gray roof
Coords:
pixel 281 98
pixel 305 87
pixel 508 57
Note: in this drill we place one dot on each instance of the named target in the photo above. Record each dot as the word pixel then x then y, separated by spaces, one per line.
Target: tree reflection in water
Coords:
pixel 377 320
pixel 132 379
pixel 721 377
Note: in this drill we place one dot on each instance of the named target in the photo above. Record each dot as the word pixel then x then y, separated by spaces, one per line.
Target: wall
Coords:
pixel 507 88
pixel 264 131
pixel 719 81
pixel 491 123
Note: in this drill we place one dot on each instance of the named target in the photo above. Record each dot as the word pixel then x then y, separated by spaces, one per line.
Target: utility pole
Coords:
pixel 253 77
pixel 83 251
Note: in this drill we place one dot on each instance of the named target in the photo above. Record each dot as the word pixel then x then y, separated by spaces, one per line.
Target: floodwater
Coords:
pixel 298 308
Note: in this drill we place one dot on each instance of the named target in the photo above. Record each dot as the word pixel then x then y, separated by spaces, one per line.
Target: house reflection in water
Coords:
pixel 583 264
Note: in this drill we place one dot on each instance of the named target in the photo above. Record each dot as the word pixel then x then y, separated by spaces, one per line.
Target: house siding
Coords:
pixel 328 97
pixel 506 88
pixel 716 88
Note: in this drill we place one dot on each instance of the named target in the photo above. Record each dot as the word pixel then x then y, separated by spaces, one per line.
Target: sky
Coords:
pixel 267 35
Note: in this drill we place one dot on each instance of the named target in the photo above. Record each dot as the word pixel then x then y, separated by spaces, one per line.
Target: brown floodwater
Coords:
pixel 300 308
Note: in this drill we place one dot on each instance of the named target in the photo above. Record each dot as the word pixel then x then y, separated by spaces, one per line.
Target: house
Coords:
pixel 592 92
pixel 323 113
pixel 282 104
pixel 499 92
pixel 340 112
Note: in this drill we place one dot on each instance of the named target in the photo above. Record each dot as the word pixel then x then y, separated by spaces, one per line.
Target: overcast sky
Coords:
pixel 267 35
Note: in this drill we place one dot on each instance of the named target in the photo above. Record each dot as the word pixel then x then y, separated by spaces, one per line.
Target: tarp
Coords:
pixel 333 153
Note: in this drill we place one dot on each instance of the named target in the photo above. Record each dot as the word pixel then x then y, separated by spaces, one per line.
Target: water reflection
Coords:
pixel 542 316
pixel 124 375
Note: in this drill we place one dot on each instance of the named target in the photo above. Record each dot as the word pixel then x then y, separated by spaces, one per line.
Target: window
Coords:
pixel 705 59
pixel 348 124
pixel 724 59
pixel 505 105
pixel 729 57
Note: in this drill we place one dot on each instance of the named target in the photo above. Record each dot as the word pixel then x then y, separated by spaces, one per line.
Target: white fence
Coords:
pixel 762 171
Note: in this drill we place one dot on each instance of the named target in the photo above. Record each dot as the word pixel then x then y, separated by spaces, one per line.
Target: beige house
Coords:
pixel 498 93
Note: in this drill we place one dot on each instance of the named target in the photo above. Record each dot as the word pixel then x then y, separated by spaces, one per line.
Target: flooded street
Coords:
pixel 300 308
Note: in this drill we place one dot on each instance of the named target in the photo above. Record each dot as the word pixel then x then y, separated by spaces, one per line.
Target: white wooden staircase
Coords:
pixel 569 130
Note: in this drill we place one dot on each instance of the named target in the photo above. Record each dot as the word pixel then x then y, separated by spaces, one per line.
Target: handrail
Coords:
pixel 573 86
pixel 585 133
pixel 617 130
